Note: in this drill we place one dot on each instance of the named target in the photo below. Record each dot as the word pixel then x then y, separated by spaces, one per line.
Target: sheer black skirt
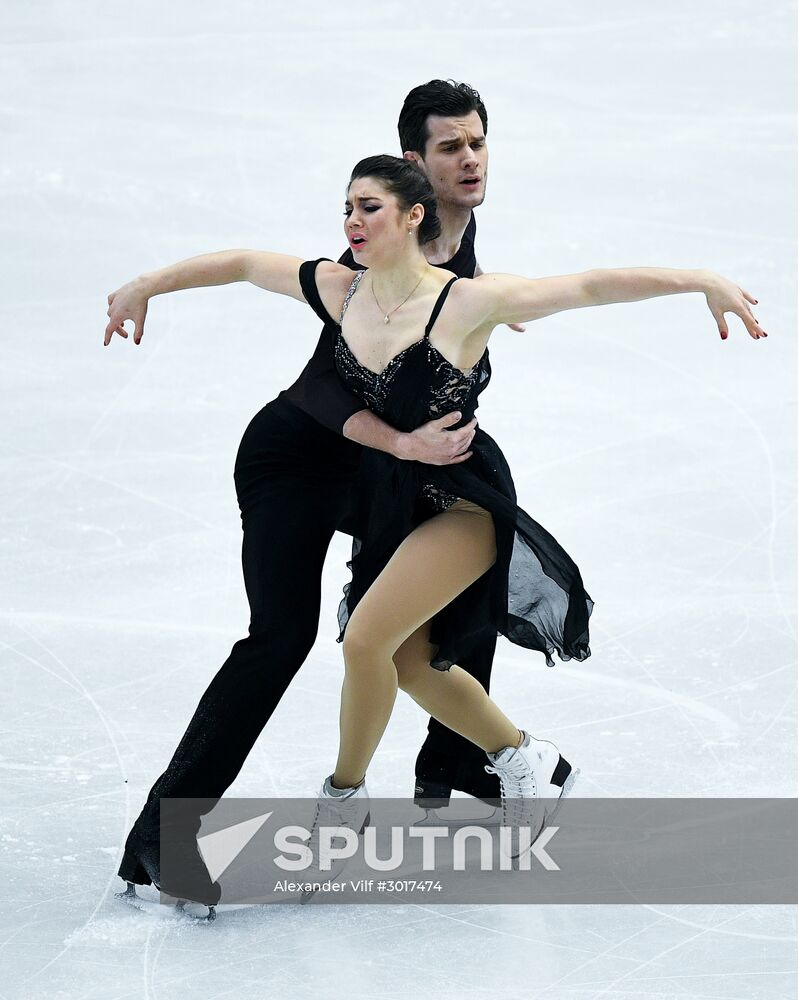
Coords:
pixel 533 594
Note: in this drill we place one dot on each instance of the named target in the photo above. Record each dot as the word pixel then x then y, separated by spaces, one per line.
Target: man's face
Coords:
pixel 455 160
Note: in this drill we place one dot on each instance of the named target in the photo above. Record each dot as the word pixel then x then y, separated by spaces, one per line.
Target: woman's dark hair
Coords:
pixel 409 186
pixel 438 97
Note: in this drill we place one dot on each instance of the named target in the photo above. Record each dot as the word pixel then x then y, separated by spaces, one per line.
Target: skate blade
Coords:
pixel 176 911
pixel 193 911
pixel 568 784
pixel 433 817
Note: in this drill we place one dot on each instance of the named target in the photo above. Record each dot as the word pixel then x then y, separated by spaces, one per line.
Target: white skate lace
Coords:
pixel 519 792
pixel 331 812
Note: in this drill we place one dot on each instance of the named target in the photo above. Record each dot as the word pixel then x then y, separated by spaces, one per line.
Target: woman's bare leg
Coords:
pixel 434 564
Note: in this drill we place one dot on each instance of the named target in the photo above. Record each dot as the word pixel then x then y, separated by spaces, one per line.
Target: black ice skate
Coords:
pixel 141 865
pixel 438 774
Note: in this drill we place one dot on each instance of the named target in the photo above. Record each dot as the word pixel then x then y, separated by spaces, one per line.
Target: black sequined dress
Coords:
pixel 533 594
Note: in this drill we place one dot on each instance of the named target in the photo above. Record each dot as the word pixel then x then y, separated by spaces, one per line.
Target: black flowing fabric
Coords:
pixel 533 594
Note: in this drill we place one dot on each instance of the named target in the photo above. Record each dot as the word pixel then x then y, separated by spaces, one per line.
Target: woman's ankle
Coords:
pixel 514 745
pixel 342 787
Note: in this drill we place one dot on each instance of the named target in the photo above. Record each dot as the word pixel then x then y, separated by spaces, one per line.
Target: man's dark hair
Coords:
pixel 438 97
pixel 410 187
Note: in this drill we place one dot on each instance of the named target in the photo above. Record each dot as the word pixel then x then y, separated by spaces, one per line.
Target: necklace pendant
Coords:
pixel 386 320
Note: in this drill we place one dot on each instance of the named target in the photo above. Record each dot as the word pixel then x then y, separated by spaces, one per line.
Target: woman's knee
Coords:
pixel 410 676
pixel 412 662
pixel 363 642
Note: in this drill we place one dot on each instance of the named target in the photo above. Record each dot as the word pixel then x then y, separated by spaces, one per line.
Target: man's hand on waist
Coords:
pixel 434 444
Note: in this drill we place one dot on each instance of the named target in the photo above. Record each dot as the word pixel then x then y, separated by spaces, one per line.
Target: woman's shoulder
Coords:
pixel 471 295
pixel 468 323
pixel 330 273
pixel 332 283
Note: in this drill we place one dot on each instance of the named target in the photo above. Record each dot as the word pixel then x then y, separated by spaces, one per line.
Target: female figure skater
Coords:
pixel 442 554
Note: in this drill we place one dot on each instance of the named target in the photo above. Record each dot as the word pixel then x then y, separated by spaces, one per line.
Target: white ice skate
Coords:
pixel 348 809
pixel 535 779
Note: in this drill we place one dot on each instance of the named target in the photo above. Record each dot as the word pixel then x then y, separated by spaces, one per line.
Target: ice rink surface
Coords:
pixel 620 134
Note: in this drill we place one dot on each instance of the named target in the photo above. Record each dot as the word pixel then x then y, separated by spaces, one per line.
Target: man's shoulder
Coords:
pixel 464 261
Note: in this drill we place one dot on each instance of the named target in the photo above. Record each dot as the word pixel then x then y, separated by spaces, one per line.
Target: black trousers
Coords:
pixel 294 481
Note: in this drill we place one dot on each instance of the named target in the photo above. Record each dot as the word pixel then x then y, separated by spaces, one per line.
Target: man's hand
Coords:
pixel 433 444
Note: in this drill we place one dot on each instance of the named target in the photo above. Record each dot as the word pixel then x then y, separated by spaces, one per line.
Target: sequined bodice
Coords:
pixel 449 390
pixel 446 389
pixel 417 385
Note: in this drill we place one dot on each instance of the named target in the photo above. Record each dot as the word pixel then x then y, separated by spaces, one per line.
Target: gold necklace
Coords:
pixel 388 315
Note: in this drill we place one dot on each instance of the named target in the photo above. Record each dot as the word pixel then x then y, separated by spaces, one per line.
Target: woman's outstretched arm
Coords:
pixel 432 443
pixel 505 298
pixel 275 272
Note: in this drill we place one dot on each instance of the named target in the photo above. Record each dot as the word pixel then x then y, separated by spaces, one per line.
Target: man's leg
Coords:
pixel 447 760
pixel 288 525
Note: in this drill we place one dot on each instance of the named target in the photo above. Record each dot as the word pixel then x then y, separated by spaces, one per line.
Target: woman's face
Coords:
pixel 375 225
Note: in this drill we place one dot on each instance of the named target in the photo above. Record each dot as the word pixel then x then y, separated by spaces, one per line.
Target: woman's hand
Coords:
pixel 128 302
pixel 724 296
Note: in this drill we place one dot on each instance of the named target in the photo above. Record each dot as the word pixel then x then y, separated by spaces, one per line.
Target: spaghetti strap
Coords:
pixel 350 293
pixel 438 306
